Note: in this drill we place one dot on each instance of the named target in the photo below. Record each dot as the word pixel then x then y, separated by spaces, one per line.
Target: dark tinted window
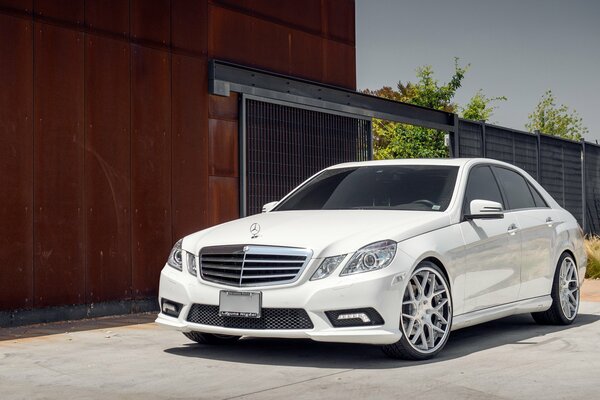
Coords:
pixel 397 187
pixel 481 186
pixel 515 188
pixel 537 197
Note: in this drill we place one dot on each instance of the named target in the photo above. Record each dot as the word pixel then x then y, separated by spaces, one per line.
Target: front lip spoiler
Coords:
pixel 362 335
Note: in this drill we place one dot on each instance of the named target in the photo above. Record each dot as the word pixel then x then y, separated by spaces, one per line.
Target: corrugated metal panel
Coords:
pixel 189 110
pixel 107 170
pixel 304 14
pixel 17 5
pixel 151 167
pixel 592 176
pixel 151 21
pixel 223 148
pixel 189 25
pixel 471 139
pixel 110 16
pixel 339 19
pixel 339 64
pixel 223 199
pixel 306 56
pixel 526 153
pixel 70 11
pixel 248 40
pixel 16 163
pixel 286 145
pixel 58 171
pixel 221 107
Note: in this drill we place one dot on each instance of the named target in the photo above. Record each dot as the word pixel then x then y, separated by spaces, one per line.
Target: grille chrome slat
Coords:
pixel 252 265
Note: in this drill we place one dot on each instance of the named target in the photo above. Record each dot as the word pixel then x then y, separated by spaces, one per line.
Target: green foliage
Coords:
pixel 396 140
pixel 556 120
pixel 480 107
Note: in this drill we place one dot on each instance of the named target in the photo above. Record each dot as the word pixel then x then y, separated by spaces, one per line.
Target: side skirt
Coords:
pixel 535 304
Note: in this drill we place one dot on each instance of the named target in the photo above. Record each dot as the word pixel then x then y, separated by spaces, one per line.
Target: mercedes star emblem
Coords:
pixel 254 230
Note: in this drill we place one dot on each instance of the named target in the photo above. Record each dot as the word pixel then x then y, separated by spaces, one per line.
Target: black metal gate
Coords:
pixel 285 144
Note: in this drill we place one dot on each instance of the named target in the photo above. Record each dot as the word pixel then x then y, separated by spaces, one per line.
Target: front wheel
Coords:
pixel 565 294
pixel 209 338
pixel 426 316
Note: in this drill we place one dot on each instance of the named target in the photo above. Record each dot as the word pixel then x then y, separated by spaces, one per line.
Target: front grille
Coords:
pixel 271 318
pixel 248 265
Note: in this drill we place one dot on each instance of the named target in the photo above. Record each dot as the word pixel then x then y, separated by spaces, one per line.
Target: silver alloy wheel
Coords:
pixel 426 310
pixel 569 288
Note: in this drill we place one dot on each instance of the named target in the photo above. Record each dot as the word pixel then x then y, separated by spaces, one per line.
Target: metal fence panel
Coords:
pixel 556 163
pixel 471 139
pixel 592 192
pixel 285 145
pixel 561 176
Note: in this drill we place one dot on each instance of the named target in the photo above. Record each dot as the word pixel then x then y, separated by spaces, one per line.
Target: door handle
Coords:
pixel 512 229
pixel 549 221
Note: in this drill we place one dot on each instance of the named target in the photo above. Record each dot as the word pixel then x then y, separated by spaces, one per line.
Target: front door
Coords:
pixel 492 248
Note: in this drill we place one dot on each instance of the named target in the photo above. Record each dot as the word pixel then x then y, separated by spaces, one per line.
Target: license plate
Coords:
pixel 239 304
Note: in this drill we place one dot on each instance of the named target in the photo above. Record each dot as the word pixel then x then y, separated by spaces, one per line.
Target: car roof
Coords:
pixel 457 162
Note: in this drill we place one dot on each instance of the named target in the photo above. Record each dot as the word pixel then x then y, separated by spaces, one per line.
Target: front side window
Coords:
pixel 386 187
pixel 515 188
pixel 481 186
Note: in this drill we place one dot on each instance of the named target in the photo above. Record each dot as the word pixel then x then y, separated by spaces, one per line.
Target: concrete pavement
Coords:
pixel 132 358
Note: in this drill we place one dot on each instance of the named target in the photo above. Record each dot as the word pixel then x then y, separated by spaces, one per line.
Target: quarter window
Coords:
pixel 481 186
pixel 515 188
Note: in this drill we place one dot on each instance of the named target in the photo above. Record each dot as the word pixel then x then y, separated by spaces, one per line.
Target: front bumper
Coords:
pixel 380 290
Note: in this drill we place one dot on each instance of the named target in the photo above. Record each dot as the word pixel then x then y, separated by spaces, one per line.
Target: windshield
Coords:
pixel 386 187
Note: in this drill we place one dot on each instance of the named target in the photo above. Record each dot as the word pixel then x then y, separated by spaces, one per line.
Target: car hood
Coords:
pixel 326 232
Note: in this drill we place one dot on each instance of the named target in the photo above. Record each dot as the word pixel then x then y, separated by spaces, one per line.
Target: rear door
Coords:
pixel 492 247
pixel 536 223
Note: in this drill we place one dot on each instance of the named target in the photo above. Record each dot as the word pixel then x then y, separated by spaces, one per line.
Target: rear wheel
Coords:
pixel 565 294
pixel 426 316
pixel 209 338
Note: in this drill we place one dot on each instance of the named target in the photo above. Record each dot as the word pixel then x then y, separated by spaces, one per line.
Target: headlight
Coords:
pixel 370 258
pixel 191 264
pixel 176 257
pixel 327 266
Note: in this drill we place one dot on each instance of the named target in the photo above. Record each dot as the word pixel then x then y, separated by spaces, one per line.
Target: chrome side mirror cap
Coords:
pixel 485 209
pixel 269 206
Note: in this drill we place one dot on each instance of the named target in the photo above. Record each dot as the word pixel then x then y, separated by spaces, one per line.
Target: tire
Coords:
pixel 566 280
pixel 426 302
pixel 209 338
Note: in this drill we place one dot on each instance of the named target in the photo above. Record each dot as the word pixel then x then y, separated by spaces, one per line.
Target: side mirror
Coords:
pixel 485 209
pixel 269 206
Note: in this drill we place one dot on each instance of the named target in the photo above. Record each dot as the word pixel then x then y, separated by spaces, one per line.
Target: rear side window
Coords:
pixel 537 197
pixel 481 186
pixel 515 188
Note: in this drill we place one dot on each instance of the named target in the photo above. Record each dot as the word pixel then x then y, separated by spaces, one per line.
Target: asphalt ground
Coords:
pixel 130 357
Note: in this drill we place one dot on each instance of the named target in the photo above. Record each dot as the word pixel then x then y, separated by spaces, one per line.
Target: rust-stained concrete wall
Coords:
pixel 111 147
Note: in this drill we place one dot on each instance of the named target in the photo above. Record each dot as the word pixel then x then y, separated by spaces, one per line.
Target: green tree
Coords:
pixel 480 107
pixel 556 120
pixel 397 140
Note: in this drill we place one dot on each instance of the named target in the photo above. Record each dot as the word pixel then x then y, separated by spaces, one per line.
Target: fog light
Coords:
pixel 354 317
pixel 170 308
pixel 362 316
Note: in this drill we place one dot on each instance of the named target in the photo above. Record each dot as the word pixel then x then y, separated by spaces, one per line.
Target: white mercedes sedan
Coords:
pixel 395 253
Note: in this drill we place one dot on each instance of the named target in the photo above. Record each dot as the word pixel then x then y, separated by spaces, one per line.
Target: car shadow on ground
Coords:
pixel 518 329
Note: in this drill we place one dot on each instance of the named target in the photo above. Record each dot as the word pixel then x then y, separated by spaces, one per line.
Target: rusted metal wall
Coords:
pixel 112 149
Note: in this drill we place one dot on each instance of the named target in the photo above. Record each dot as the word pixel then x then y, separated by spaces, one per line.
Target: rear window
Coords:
pixel 515 188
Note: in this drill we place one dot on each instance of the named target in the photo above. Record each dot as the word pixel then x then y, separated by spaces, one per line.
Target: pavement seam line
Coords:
pixel 289 384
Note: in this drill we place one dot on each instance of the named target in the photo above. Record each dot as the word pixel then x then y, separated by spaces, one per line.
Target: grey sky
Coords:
pixel 516 49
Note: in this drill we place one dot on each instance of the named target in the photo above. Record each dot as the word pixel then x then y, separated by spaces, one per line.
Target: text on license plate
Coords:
pixel 239 304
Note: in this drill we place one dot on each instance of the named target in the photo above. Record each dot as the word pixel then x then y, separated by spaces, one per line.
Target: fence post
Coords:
pixel 456 149
pixel 539 156
pixel 483 140
pixel 583 188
